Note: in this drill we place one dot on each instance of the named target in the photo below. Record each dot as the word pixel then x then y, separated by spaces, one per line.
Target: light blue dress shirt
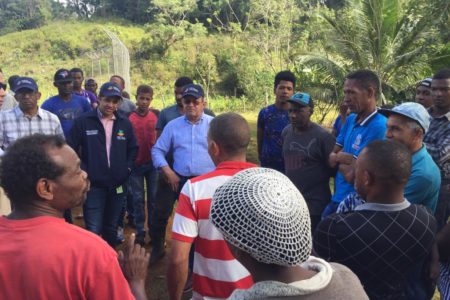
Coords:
pixel 189 144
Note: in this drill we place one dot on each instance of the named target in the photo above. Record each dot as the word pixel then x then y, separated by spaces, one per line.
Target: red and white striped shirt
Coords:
pixel 216 272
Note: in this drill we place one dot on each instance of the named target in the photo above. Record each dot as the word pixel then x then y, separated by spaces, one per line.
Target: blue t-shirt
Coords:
pixel 67 111
pixel 272 121
pixel 353 138
pixel 424 182
pixel 337 125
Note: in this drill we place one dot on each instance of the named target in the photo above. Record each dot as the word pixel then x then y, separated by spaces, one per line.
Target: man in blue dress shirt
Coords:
pixel 186 137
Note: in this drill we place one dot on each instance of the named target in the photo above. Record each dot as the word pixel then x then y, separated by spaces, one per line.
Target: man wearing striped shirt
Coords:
pixel 216 272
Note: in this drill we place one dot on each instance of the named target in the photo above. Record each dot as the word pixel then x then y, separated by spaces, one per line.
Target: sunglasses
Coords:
pixel 3 86
pixel 195 102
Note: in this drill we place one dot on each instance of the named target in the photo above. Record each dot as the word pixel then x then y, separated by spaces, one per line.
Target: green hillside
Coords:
pixel 38 53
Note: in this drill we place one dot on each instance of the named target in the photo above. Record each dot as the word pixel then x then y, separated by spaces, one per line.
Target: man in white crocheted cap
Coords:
pixel 265 222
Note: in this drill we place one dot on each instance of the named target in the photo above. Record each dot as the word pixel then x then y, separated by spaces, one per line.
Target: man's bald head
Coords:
pixel 230 131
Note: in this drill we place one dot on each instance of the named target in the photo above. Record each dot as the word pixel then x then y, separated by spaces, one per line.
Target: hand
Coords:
pixel 134 261
pixel 171 178
pixel 433 272
pixel 345 158
pixel 333 160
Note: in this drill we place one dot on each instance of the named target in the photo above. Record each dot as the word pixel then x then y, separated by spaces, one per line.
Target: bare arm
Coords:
pixel 134 263
pixel 346 163
pixel 177 270
pixel 332 160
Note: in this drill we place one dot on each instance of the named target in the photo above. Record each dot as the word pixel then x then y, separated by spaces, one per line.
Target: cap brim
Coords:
pixel 193 95
pixel 296 102
pixel 25 88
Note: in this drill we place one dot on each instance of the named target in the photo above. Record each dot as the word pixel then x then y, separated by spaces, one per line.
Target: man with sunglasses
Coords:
pixel 26 118
pixel 186 136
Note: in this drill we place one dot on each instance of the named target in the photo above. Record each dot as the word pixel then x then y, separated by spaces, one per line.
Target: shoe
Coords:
pixel 188 286
pixel 140 239
pixel 120 236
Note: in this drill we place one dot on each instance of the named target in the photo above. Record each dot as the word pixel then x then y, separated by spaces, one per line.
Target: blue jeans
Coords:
pixel 102 210
pixel 138 175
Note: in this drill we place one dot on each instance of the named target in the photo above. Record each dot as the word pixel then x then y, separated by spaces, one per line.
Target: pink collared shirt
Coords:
pixel 108 126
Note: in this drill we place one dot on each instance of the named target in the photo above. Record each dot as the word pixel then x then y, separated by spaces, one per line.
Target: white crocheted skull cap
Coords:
pixel 261 212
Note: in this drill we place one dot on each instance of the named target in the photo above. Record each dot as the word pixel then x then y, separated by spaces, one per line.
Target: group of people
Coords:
pixel 239 231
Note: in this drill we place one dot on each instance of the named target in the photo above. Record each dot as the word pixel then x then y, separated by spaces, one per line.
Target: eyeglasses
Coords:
pixel 194 102
pixel 3 86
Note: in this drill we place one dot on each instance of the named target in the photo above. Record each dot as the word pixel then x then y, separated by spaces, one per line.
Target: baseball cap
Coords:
pixel 303 99
pixel 62 75
pixel 110 89
pixel 411 110
pixel 193 90
pixel 425 82
pixel 25 83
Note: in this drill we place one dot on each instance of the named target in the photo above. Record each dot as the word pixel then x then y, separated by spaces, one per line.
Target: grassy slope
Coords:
pixel 38 53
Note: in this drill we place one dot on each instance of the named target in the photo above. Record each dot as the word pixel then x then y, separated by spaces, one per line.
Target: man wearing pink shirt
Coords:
pixel 106 144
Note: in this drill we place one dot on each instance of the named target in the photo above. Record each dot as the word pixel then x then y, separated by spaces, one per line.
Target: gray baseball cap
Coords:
pixel 410 110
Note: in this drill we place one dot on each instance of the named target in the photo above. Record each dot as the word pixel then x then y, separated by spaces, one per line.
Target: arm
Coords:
pixel 260 133
pixel 159 152
pixel 134 262
pixel 177 269
pixel 346 163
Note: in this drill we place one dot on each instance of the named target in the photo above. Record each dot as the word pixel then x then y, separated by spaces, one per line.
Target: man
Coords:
pixel 42 256
pixel 271 122
pixel 383 239
pixel 423 93
pixel 105 142
pixel 144 122
pixel 306 148
pixel 216 272
pixel 66 105
pixel 2 95
pixel 26 118
pixel 9 101
pixel 174 111
pixel 91 85
pixel 407 124
pixel 126 107
pixel 265 222
pixel 78 78
pixel 361 91
pixel 437 139
pixel 186 136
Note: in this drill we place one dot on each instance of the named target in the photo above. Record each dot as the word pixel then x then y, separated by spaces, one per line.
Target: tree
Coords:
pixel 395 38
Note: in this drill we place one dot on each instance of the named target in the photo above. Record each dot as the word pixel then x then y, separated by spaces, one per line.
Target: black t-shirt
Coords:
pixel 306 164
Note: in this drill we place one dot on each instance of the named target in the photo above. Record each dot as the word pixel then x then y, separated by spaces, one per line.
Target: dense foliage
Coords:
pixel 234 47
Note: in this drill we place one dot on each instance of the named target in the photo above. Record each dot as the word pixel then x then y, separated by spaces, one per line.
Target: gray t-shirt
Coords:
pixel 170 113
pixel 306 164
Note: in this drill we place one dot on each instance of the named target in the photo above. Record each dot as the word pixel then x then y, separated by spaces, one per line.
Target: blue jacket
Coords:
pixel 87 137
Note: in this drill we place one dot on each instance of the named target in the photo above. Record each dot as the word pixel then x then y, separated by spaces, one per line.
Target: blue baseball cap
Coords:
pixel 303 99
pixel 194 90
pixel 25 83
pixel 62 75
pixel 110 89
pixel 410 110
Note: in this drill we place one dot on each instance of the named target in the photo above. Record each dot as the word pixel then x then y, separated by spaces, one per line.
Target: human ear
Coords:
pixel 44 189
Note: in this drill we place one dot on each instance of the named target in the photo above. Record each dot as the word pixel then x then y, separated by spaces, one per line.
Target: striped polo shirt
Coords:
pixel 216 272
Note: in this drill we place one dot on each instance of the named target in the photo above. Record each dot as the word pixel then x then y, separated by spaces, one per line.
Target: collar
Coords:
pixel 19 112
pixel 198 122
pixel 419 153
pixel 447 115
pixel 235 165
pixel 100 115
pixel 383 207
pixel 368 118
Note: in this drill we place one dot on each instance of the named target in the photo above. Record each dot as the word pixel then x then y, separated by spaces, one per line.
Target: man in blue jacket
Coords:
pixel 105 142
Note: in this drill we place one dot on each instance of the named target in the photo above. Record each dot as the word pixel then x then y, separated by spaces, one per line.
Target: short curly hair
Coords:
pixel 27 161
